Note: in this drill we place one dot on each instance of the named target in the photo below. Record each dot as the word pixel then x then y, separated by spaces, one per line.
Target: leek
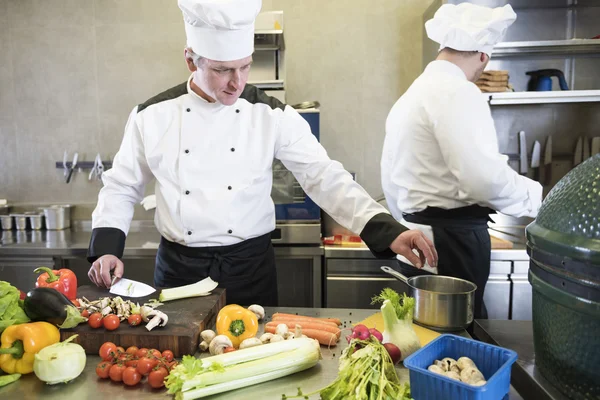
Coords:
pixel 196 378
pixel 200 288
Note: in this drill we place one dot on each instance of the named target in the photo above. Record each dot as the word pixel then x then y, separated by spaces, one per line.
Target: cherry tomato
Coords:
pixel 95 320
pixel 132 350
pixel 171 365
pixel 167 355
pixel 85 313
pixel 131 376
pixel 141 352
pixel 154 353
pixel 76 303
pixel 228 349
pixel 103 369
pixel 156 379
pixel 132 363
pixel 108 351
pixel 123 357
pixel 145 365
pixel 134 319
pixel 116 372
pixel 111 322
pixel 120 350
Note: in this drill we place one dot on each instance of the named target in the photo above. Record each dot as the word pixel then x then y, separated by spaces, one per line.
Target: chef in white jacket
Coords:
pixel 210 143
pixel 441 169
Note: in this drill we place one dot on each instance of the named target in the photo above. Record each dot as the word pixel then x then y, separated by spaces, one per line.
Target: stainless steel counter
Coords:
pixel 88 386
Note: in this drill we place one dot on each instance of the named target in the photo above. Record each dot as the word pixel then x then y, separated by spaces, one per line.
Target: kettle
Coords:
pixel 541 80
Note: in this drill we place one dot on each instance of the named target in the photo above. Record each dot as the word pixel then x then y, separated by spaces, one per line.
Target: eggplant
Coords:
pixel 49 305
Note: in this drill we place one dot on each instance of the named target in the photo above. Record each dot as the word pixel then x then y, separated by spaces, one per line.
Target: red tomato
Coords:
pixel 171 365
pixel 156 379
pixel 103 369
pixel 95 320
pixel 131 376
pixel 154 353
pixel 76 303
pixel 141 352
pixel 108 351
pixel 116 372
pixel 134 319
pixel 111 322
pixel 168 355
pixel 85 313
pixel 132 350
pixel 145 365
pixel 120 350
pixel 132 363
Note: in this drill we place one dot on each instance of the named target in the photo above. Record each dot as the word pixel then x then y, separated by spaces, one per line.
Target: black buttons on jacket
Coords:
pixel 233 149
pixel 229 187
pixel 188 109
pixel 237 110
pixel 189 232
pixel 187 192
pixel 230 231
pixel 187 151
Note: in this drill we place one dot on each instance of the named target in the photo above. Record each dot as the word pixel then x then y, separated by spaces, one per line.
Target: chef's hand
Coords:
pixel 414 239
pixel 99 273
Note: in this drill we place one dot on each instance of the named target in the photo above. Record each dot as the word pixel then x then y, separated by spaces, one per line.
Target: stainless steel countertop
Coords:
pixel 89 386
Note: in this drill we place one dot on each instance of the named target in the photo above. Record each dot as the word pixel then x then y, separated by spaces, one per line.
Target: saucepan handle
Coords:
pixel 395 274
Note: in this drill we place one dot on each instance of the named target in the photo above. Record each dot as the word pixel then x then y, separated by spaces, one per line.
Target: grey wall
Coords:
pixel 72 70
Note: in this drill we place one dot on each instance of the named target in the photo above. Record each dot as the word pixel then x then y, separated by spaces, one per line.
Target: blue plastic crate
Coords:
pixel 494 363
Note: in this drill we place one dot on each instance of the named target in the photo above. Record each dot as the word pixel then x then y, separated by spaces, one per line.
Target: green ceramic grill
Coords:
pixel 564 249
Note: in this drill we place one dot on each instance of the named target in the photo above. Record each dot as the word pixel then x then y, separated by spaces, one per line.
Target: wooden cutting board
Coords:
pixel 187 318
pixel 498 243
pixel 425 335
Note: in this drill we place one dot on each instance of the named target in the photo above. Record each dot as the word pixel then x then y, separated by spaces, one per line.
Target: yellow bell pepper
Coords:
pixel 237 323
pixel 19 343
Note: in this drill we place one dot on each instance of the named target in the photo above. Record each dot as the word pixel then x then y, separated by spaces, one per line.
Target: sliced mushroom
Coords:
pixel 158 318
pixel 258 310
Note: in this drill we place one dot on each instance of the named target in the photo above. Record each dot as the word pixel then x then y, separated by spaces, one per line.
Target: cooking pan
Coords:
pixel 443 303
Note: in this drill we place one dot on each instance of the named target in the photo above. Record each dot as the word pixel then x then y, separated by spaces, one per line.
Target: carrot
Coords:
pixel 307 325
pixel 323 337
pixel 334 321
pixel 303 321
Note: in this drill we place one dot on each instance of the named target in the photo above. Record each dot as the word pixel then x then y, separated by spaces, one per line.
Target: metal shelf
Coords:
pixel 266 47
pixel 547 47
pixel 566 96
pixel 269 85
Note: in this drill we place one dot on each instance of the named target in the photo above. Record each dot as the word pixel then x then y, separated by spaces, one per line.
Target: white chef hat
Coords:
pixel 469 27
pixel 221 30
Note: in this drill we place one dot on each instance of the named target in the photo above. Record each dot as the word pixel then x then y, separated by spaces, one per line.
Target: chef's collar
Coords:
pixel 446 67
pixel 196 96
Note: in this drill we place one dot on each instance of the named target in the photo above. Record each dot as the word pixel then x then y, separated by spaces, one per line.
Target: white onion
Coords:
pixel 60 362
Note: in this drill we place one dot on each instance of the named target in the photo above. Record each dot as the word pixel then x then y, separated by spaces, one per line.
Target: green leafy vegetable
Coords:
pixel 11 311
pixel 403 305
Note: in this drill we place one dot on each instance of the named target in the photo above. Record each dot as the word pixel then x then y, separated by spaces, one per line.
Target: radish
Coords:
pixel 394 352
pixel 376 333
pixel 361 332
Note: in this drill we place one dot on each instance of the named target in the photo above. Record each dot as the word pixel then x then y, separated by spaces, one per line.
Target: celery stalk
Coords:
pixel 201 288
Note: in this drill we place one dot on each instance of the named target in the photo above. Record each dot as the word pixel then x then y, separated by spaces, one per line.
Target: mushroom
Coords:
pixel 465 362
pixel 218 344
pixel 145 311
pixel 258 310
pixel 250 342
pixel 449 363
pixel 207 337
pixel 282 330
pixel 276 338
pixel 106 310
pixel 266 338
pixel 479 383
pixel 441 365
pixel 471 375
pixel 159 318
pixel 436 369
pixel 453 375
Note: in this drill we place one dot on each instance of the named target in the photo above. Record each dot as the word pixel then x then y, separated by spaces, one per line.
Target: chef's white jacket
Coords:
pixel 213 169
pixel 441 150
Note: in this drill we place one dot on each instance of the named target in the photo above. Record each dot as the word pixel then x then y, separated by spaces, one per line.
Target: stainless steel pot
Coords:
pixel 441 302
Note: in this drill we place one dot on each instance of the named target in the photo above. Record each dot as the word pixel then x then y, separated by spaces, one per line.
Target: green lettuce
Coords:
pixel 11 311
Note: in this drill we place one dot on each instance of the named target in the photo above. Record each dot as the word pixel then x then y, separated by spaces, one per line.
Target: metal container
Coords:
pixel 58 217
pixel 20 221
pixel 6 222
pixel 36 221
pixel 443 303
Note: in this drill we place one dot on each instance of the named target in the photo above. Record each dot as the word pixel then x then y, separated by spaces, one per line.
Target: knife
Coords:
pixel 522 153
pixel 586 150
pixel 595 146
pixel 73 165
pixel 548 161
pixel 130 288
pixel 577 157
pixel 535 160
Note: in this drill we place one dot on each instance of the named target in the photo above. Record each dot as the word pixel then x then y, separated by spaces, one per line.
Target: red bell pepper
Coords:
pixel 63 280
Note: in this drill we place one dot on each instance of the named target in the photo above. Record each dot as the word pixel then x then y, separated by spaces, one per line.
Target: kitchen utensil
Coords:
pixel 586 150
pixel 36 220
pixel 58 217
pixel 441 302
pixel 541 80
pixel 522 153
pixel 20 221
pixel 97 169
pixel 65 168
pixel 73 165
pixel 535 160
pixel 130 288
pixel 6 222
pixel 548 161
pixel 595 146
pixel 187 318
pixel 578 156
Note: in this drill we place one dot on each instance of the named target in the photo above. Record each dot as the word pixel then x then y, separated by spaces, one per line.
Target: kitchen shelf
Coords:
pixel 547 47
pixel 268 31
pixel 269 85
pixel 266 47
pixel 565 96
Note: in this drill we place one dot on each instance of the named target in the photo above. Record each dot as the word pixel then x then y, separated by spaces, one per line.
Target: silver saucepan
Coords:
pixel 441 302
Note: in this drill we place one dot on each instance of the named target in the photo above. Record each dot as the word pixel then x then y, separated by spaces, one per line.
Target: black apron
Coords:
pixel 246 269
pixel 463 244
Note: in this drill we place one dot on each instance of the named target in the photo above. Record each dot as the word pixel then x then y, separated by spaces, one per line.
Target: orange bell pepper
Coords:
pixel 19 343
pixel 237 323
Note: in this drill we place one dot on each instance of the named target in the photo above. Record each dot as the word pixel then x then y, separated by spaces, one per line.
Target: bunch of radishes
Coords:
pixel 361 332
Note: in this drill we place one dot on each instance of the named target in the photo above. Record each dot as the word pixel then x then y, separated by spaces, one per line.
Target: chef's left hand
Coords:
pixel 414 239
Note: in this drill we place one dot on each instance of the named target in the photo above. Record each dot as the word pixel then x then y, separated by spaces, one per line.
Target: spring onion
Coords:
pixel 195 378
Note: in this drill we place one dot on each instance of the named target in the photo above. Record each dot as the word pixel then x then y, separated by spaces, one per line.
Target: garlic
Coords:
pixel 436 369
pixel 266 338
pixel 277 338
pixel 258 310
pixel 250 342
pixel 218 344
pixel 471 375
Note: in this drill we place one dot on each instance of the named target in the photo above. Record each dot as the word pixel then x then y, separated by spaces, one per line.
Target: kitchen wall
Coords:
pixel 72 70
